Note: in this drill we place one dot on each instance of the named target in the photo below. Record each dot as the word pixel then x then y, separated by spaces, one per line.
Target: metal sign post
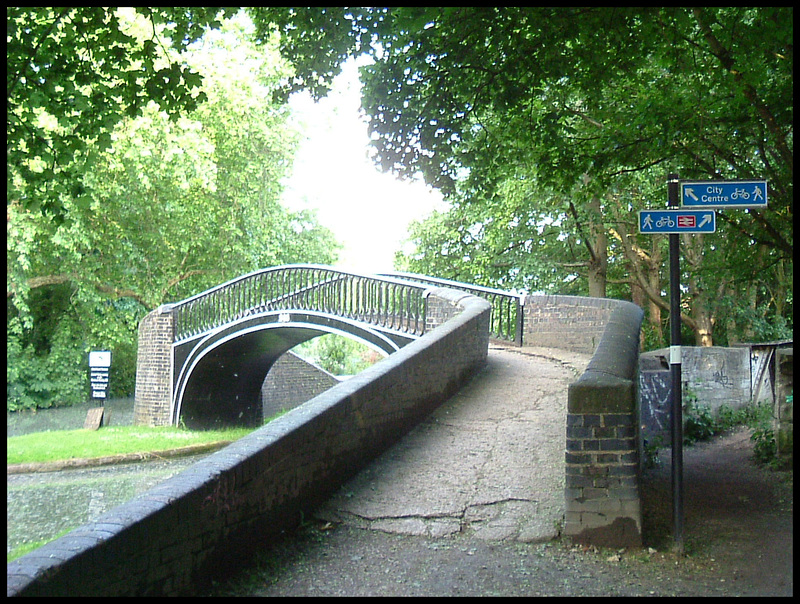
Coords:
pixel 673 184
pixel 708 195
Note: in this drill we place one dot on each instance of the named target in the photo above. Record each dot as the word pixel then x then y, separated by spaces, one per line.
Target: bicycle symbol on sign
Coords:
pixel 665 221
pixel 737 193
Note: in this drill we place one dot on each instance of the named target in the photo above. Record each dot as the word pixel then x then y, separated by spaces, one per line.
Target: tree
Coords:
pixel 575 102
pixel 338 355
pixel 85 69
pixel 172 207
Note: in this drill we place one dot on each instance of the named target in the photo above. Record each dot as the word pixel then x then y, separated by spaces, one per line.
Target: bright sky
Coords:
pixel 367 210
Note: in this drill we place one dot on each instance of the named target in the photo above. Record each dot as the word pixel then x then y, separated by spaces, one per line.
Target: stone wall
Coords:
pixel 715 376
pixel 205 521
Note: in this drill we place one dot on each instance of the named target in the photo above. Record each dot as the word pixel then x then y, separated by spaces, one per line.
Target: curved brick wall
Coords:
pixel 574 323
pixel 291 382
pixel 198 524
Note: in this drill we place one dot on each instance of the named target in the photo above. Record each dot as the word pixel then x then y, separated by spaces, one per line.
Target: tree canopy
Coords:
pixel 535 119
pixel 108 74
pixel 702 92
pixel 545 128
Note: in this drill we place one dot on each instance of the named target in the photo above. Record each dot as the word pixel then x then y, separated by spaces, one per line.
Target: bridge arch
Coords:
pixel 177 341
pixel 221 373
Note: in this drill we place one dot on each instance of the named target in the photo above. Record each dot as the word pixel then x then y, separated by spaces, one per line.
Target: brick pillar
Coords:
pixel 602 494
pixel 153 398
pixel 602 457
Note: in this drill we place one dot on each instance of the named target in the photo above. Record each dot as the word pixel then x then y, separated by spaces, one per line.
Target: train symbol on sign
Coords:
pixel 677 221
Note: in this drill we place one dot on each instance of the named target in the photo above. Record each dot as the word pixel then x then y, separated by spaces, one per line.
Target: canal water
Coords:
pixel 42 505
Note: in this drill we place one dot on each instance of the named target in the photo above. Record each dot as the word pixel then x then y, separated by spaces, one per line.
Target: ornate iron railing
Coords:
pixel 505 322
pixel 386 302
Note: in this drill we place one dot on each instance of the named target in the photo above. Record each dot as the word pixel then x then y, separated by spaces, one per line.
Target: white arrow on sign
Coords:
pixel 690 193
pixel 706 219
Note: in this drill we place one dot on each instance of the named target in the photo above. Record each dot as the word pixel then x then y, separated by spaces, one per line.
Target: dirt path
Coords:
pixel 738 514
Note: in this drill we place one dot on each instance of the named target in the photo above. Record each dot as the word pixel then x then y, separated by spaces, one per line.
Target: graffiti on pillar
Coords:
pixel 655 390
pixel 722 379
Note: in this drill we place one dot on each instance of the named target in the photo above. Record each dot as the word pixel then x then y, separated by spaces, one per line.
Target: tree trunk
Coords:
pixel 598 260
pixel 703 322
pixel 644 275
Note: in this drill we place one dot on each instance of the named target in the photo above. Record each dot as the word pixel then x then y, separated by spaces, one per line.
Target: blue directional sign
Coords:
pixel 724 194
pixel 677 221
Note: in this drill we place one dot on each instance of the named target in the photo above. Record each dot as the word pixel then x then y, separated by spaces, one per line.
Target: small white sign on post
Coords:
pixel 100 358
pixel 99 364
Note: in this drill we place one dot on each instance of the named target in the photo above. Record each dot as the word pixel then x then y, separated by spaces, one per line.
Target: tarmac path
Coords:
pixel 490 461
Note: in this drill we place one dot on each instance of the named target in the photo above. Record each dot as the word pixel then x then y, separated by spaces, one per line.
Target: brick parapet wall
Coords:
pixel 197 525
pixel 291 382
pixel 441 306
pixel 573 323
pixel 154 369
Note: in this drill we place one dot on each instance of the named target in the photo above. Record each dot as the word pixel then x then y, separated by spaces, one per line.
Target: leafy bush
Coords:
pixel 699 423
pixel 338 355
pixel 41 381
pixel 650 451
pixel 764 448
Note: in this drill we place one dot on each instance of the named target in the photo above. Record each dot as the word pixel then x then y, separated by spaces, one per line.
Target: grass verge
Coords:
pixel 26 548
pixel 63 445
